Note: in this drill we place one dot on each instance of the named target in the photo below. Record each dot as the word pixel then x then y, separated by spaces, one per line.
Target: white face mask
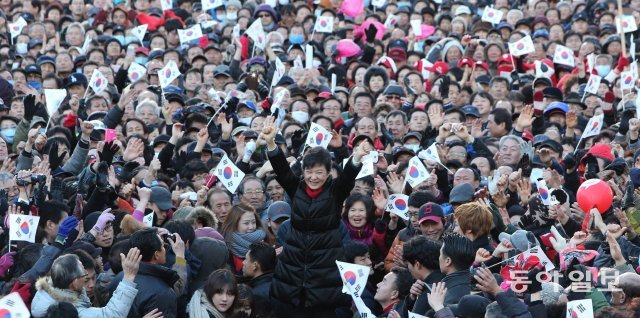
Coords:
pixel 21 48
pixel 246 121
pixel 283 2
pixel 414 147
pixel 301 117
pixel 232 16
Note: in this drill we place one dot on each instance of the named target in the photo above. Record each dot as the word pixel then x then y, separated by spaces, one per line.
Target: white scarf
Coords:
pixel 200 306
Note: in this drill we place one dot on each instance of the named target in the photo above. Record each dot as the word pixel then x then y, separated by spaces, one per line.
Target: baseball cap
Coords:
pixel 76 79
pixel 45 59
pixel 556 107
pixel 278 210
pixel 470 110
pixel 161 197
pixel 222 70
pixel 430 212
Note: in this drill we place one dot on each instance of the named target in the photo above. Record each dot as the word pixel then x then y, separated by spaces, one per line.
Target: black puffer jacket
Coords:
pixel 155 290
pixel 306 274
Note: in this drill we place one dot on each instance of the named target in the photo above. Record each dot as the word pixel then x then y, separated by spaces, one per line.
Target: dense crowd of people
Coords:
pixel 257 159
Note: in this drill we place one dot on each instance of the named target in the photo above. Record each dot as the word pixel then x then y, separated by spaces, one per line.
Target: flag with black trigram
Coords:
pixel 318 136
pixel 23 227
pixel 229 174
pixel 13 306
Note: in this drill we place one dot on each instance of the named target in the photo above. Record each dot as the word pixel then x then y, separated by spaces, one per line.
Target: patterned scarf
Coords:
pixel 240 242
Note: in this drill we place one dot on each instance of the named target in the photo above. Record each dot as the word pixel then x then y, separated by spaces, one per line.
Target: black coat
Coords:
pixel 306 274
pixel 155 290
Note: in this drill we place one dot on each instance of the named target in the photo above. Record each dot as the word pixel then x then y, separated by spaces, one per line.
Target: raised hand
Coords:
pixel 55 159
pixel 436 296
pixel 134 150
pixel 104 218
pixel 526 118
pixel 131 263
pixel 436 116
pixel 269 132
pixel 378 199
pixel 108 152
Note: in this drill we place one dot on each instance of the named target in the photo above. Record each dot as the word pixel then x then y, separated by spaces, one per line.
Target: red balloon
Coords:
pixel 594 193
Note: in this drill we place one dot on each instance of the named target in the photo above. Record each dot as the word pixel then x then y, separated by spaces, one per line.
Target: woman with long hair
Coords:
pixel 217 299
pixel 242 227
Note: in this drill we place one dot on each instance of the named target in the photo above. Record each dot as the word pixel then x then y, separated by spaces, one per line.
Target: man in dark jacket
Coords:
pixel 306 275
pixel 421 256
pixel 456 257
pixel 156 283
pixel 258 266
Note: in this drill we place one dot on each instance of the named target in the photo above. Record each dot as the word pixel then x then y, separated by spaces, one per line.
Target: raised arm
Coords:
pixel 284 175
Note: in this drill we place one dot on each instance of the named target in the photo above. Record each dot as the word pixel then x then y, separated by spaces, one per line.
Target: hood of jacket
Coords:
pixel 48 295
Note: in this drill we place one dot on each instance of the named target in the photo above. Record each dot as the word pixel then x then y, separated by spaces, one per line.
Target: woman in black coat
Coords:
pixel 306 276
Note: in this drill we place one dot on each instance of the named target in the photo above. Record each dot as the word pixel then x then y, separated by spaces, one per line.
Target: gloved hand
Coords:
pixel 55 160
pixel 536 284
pixel 380 225
pixel 629 198
pixel 67 226
pixel 108 151
pixel 77 210
pixel 30 107
pixel 525 165
pixel 370 33
pixel 266 105
pixel 538 100
pixel 232 104
pixel 607 103
pixel 297 140
pixel 103 219
pixel 102 175
pixel 622 63
pixel 6 261
pixel 249 149
pixel 569 161
pixel 57 189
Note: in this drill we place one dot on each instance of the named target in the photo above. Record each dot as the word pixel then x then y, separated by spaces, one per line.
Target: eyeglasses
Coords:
pixel 83 276
pixel 264 15
pixel 392 97
pixel 254 192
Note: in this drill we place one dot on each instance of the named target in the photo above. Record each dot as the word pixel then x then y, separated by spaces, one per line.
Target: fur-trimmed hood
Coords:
pixel 48 295
pixel 45 284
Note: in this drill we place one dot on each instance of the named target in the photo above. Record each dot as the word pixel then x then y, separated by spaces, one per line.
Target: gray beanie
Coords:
pixel 550 293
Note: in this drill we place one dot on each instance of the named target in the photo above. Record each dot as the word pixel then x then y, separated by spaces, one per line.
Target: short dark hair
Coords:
pixel 87 261
pixel 502 116
pixel 147 241
pixel 115 261
pixel 423 250
pixel 264 254
pixel 192 168
pixel 420 198
pixel 403 282
pixel 367 95
pixel 183 228
pixel 353 249
pixel 62 310
pixel 460 250
pixel 317 156
pixel 368 205
pixel 53 211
